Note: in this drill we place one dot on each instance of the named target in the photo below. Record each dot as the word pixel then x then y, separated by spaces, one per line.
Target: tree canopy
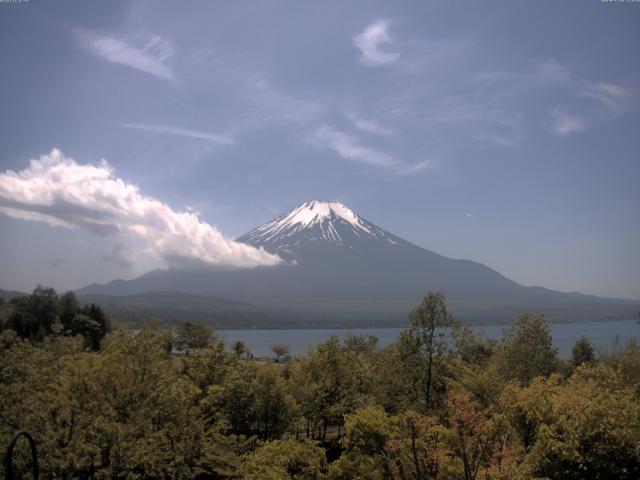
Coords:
pixel 123 405
pixel 45 313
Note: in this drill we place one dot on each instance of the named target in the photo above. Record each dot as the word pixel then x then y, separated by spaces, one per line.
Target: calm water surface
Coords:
pixel 601 334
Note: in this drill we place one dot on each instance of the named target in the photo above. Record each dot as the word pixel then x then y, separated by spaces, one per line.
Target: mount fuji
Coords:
pixel 339 268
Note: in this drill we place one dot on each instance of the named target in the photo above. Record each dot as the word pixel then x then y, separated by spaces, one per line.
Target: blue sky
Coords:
pixel 503 132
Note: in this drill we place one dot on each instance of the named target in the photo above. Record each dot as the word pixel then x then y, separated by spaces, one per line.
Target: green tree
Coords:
pixel 68 308
pixel 95 335
pixel 250 401
pixel 240 348
pixel 361 344
pixel 5 311
pixel 147 416
pixel 273 406
pixel 588 427
pixel 475 366
pixel 208 366
pixel 472 348
pixel 87 327
pixel 430 325
pixel 231 403
pixel 191 334
pixel 286 459
pixel 328 384
pixel 123 412
pixel 474 435
pixel 527 350
pixel 281 350
pixel 582 352
pixel 35 316
pixel 367 432
pixel 44 313
pixel 626 365
pixel 418 450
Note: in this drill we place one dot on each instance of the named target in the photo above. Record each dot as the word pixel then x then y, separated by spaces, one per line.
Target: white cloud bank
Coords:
pixel 58 191
pixel 370 43
pixel 150 55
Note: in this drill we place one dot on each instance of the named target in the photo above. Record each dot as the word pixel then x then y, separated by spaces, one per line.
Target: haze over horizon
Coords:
pixel 158 135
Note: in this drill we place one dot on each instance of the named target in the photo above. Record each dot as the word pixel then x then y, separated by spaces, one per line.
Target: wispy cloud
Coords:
pixel 587 104
pixel 271 104
pixel 614 99
pixel 371 43
pixel 499 107
pixel 545 74
pixel 260 99
pixel 422 56
pixel 607 101
pixel 564 123
pixel 61 192
pixel 505 138
pixel 149 54
pixel 408 169
pixel 487 109
pixel 181 132
pixel 368 126
pixel 350 147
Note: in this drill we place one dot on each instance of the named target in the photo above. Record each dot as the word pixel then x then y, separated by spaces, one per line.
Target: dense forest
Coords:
pixel 438 403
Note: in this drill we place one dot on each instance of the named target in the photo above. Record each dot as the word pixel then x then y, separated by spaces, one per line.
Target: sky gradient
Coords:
pixel 502 132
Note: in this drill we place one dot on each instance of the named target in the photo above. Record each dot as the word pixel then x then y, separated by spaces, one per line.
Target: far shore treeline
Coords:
pixel 438 403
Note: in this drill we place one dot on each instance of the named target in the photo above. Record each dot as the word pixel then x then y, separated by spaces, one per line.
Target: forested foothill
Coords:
pixel 438 403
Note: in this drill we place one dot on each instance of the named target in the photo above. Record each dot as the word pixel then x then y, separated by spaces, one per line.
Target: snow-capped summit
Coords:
pixel 316 221
pixel 315 212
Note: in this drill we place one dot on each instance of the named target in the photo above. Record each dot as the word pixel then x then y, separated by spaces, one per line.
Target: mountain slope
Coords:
pixel 175 307
pixel 341 264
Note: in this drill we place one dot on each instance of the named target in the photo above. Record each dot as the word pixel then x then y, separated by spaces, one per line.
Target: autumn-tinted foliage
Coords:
pixel 438 403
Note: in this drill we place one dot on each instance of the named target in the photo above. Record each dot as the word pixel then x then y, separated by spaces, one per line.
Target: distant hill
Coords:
pixel 341 267
pixel 7 295
pixel 175 307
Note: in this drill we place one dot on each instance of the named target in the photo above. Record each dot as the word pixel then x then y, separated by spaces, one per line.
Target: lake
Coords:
pixel 601 334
